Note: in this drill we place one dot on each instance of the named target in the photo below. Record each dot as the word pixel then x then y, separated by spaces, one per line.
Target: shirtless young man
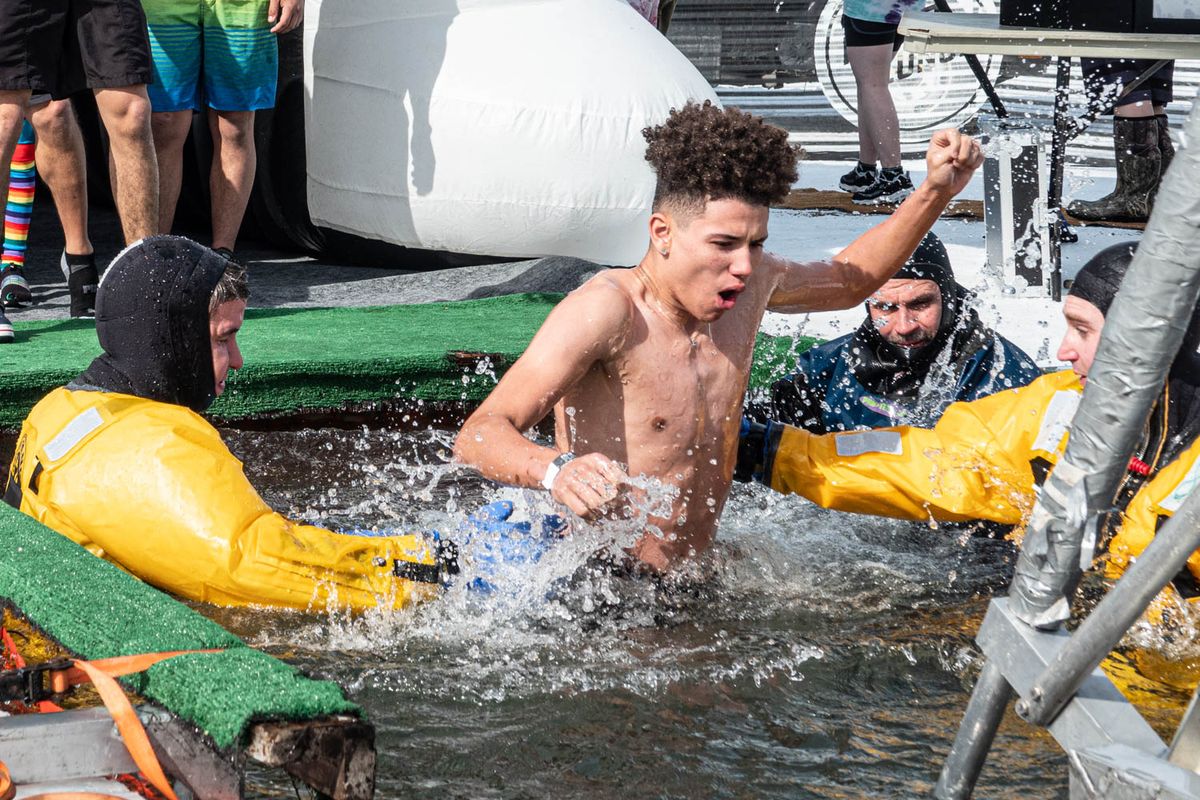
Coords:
pixel 646 368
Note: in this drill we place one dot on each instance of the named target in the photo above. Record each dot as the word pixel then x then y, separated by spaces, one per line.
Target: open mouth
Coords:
pixel 728 297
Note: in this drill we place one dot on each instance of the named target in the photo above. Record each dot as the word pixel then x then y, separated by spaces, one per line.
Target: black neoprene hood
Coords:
pixel 929 262
pixel 1099 279
pixel 152 322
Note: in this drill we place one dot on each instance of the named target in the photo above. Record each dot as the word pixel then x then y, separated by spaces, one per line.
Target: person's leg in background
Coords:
pixel 22 182
pixel 63 166
pixel 232 176
pixel 170 133
pixel 113 54
pixel 870 47
pixel 175 49
pixel 12 121
pixel 1141 140
pixel 125 112
pixel 241 67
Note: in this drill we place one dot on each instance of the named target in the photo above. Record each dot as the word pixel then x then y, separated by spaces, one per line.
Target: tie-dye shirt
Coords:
pixel 877 10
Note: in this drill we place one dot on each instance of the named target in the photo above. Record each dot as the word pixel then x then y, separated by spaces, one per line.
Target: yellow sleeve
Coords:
pixel 973 465
pixel 160 494
pixel 1154 503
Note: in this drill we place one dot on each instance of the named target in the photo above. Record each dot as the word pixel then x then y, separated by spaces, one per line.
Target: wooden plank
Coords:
pixel 335 756
pixel 188 755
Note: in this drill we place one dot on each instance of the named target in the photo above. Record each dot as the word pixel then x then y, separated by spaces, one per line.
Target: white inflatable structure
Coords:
pixel 493 127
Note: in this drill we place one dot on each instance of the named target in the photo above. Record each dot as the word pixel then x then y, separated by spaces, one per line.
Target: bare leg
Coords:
pixel 872 67
pixel 12 117
pixel 170 132
pixel 62 165
pixel 232 175
pixel 1138 110
pixel 126 115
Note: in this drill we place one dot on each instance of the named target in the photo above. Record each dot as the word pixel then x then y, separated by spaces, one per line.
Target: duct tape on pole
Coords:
pixel 1141 337
pixel 1096 637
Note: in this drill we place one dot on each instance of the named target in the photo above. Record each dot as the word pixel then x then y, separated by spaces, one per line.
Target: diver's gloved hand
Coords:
pixel 493 543
pixel 757 443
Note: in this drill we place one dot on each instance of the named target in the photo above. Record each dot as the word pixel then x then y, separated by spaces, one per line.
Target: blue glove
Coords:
pixel 495 544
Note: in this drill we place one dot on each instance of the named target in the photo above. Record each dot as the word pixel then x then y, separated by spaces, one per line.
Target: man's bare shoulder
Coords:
pixel 604 302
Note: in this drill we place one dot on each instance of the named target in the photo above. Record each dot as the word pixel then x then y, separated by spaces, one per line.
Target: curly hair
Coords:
pixel 704 153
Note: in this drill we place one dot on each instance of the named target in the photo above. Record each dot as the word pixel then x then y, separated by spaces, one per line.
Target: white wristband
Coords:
pixel 552 469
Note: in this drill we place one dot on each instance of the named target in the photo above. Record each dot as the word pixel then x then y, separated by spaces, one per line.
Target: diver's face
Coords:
pixel 907 312
pixel 711 255
pixel 1084 323
pixel 223 327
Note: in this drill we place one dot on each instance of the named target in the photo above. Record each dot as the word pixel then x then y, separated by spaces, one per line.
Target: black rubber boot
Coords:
pixel 1139 170
pixel 1165 148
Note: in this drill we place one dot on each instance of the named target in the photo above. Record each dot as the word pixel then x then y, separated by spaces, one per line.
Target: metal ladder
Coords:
pixel 1054 676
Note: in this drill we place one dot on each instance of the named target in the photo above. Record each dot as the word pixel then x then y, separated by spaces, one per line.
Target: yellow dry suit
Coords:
pixel 982 461
pixel 151 487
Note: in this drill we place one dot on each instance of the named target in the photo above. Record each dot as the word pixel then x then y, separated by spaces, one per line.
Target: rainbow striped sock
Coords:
pixel 14 289
pixel 17 213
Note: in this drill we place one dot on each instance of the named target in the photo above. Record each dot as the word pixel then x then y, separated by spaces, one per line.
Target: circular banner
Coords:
pixel 931 90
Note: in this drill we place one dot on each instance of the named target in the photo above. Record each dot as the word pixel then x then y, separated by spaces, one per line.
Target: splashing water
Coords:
pixel 808 654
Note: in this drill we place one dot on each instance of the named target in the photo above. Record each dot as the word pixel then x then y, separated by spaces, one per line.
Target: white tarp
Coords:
pixel 496 127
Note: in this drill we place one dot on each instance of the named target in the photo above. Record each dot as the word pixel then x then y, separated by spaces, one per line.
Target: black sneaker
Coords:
pixel 889 187
pixel 14 289
pixel 859 178
pixel 6 329
pixel 82 281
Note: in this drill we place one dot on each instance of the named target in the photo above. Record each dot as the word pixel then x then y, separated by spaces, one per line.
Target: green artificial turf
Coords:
pixel 327 357
pixel 97 611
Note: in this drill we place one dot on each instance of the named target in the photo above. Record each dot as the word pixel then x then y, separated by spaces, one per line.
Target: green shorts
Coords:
pixel 212 53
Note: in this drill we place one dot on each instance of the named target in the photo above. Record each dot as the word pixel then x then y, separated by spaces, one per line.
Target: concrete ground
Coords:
pixel 281 279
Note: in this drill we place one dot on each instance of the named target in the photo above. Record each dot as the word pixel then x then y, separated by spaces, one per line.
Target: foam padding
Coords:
pixel 328 357
pixel 95 610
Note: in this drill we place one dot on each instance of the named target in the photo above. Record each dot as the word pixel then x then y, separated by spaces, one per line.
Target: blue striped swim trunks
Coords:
pixel 218 54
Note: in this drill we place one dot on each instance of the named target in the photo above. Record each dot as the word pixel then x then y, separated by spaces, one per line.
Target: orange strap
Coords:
pixel 115 667
pixel 130 727
pixel 7 789
pixel 103 673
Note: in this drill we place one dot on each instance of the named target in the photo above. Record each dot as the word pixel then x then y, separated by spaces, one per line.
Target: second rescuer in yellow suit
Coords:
pixel 121 462
pixel 984 458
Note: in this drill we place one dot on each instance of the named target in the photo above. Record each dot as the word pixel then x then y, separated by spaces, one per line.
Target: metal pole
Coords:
pixel 1142 334
pixel 977 69
pixel 1058 155
pixel 1102 630
pixel 975 734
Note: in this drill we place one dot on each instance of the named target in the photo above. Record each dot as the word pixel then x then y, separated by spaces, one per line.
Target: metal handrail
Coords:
pixel 1142 334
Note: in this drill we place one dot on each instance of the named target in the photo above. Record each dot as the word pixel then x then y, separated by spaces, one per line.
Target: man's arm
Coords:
pixel 874 257
pixel 587 327
pixel 975 463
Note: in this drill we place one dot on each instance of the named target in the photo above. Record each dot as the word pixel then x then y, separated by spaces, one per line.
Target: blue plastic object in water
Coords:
pixel 495 544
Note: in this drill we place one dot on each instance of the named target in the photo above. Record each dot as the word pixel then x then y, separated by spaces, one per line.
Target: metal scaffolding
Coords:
pixel 1112 751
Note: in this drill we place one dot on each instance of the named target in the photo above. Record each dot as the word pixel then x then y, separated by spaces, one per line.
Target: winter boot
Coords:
pixel 1165 148
pixel 1139 169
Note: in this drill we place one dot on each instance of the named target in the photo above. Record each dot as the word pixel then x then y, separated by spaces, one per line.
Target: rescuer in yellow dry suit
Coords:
pixel 121 461
pixel 984 458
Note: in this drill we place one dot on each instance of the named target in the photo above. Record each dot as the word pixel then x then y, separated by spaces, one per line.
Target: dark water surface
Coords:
pixel 815 655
